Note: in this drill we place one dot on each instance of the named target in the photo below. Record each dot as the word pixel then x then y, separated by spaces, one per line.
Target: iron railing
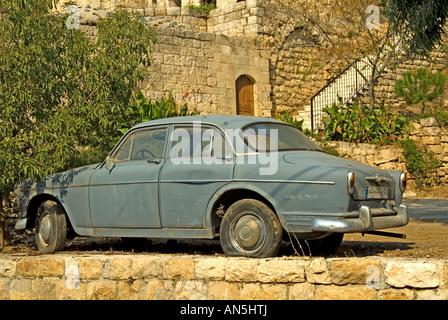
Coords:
pixel 346 85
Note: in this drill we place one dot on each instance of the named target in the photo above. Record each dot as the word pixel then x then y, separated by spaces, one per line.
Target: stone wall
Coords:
pixel 164 277
pixel 201 69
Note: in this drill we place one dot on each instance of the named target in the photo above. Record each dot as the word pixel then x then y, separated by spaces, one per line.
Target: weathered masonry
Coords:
pixel 168 277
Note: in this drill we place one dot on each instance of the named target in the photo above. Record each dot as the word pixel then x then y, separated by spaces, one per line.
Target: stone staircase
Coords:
pixel 346 86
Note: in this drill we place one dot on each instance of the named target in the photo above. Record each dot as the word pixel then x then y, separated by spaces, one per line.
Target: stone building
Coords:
pixel 249 57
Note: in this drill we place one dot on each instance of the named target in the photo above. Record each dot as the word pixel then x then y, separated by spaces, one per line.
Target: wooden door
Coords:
pixel 244 96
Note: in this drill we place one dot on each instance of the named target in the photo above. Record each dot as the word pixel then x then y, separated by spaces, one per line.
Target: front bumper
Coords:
pixel 365 221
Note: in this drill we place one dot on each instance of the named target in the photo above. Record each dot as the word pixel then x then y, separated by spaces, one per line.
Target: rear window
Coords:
pixel 268 136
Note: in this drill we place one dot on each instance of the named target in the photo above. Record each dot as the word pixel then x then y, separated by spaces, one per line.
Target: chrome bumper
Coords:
pixel 365 222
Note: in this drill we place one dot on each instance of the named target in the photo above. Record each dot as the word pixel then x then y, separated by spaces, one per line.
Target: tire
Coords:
pixel 250 228
pixel 51 227
pixel 324 246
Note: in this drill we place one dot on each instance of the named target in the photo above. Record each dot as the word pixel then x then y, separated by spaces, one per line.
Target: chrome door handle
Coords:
pixel 156 161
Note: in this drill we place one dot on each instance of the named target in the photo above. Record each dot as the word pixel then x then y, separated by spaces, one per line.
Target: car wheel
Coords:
pixel 250 228
pixel 323 246
pixel 51 227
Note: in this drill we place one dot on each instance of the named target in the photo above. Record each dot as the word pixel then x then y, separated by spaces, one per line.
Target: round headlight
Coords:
pixel 350 182
pixel 403 181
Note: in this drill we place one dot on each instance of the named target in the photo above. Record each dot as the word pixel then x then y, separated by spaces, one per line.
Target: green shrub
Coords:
pixel 288 118
pixel 420 163
pixel 420 86
pixel 356 124
pixel 142 110
pixel 202 10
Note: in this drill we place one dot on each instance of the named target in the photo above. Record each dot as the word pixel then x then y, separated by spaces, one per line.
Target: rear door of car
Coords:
pixel 199 161
pixel 125 194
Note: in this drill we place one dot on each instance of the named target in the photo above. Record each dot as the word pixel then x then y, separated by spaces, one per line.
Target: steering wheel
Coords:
pixel 141 154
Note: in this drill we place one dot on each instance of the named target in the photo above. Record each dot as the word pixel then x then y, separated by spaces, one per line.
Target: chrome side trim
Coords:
pixel 195 181
pixel 286 181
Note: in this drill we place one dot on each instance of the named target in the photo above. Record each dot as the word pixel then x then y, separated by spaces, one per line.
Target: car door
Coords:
pixel 199 162
pixel 125 193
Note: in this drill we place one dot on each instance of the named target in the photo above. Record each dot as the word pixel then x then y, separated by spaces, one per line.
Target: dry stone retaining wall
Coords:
pixel 144 277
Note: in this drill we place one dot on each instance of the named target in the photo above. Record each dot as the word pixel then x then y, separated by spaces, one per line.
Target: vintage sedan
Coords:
pixel 250 181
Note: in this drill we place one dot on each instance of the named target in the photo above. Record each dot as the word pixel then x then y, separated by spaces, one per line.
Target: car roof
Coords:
pixel 223 121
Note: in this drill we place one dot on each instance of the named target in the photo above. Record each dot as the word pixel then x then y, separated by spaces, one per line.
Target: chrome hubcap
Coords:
pixel 249 233
pixel 45 229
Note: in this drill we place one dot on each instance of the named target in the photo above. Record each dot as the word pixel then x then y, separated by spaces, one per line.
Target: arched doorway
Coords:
pixel 244 96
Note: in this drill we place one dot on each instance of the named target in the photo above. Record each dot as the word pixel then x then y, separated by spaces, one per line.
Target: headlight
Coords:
pixel 403 181
pixel 350 182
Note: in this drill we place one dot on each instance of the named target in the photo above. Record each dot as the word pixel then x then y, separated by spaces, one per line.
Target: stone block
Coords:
pixel 352 270
pixel 211 269
pixel 117 269
pixel 44 288
pixel 4 289
pixel 148 267
pixel 431 131
pixel 190 290
pixel 68 291
pixel 279 270
pixel 179 269
pixel 241 270
pixel 301 291
pixel 344 293
pixel 317 271
pixel 429 122
pixel 437 148
pixel 43 267
pixel 7 268
pixel 222 290
pixel 415 128
pixel 263 291
pixel 20 289
pixel 159 290
pixel 101 290
pixel 131 290
pixel 417 274
pixel 386 155
pixel 90 268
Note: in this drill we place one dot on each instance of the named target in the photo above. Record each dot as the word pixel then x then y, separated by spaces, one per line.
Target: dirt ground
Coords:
pixel 426 237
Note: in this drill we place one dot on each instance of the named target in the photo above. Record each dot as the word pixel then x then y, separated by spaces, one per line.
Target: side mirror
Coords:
pixel 109 163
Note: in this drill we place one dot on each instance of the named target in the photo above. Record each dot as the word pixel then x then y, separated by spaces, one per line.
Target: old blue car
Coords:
pixel 249 181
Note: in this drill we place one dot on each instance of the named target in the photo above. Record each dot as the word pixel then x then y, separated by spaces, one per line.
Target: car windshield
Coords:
pixel 265 137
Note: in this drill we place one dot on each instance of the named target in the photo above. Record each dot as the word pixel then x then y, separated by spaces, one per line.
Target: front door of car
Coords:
pixel 199 161
pixel 124 194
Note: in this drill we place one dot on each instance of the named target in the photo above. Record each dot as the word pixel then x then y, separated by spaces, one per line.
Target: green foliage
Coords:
pixel 420 86
pixel 287 117
pixel 203 9
pixel 356 124
pixel 420 23
pixel 142 110
pixel 420 163
pixel 60 92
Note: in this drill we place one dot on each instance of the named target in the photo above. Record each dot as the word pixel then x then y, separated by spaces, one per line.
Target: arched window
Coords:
pixel 244 96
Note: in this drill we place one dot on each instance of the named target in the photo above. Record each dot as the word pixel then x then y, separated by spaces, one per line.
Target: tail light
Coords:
pixel 403 181
pixel 350 182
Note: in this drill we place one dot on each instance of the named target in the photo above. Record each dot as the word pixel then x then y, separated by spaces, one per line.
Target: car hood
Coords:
pixel 73 177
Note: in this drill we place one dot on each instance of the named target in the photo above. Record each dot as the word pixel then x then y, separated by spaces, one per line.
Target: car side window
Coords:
pixel 143 145
pixel 198 142
pixel 125 150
